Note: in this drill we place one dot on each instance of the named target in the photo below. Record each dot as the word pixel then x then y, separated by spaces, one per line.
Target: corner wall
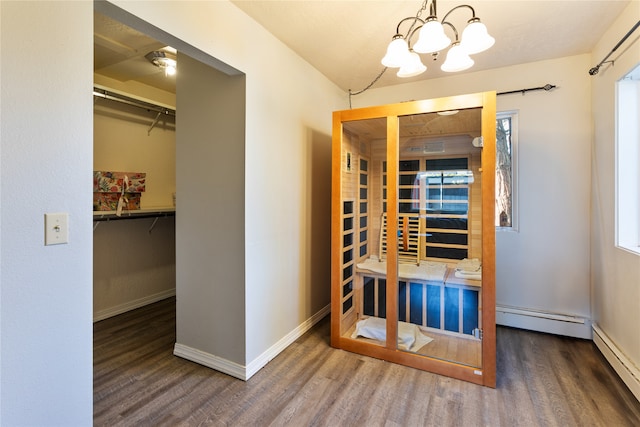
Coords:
pixel 286 174
pixel 615 273
pixel 210 235
pixel 542 269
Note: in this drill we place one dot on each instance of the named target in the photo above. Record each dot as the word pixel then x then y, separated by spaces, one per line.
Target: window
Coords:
pixel 628 162
pixel 433 196
pixel 506 149
pixel 447 184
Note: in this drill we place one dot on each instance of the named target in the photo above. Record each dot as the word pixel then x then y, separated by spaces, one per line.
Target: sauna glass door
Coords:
pixel 413 238
pixel 363 297
pixel 440 236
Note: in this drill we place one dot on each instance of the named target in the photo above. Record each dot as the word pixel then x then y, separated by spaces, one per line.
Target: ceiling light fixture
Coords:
pixel 432 39
pixel 160 59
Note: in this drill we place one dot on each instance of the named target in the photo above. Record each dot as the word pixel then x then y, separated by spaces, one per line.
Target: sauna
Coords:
pixel 413 234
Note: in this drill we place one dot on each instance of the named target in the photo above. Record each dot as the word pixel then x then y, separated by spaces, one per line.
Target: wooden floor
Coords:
pixel 543 380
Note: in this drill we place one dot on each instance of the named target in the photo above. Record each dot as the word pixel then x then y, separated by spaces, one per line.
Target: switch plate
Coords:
pixel 56 228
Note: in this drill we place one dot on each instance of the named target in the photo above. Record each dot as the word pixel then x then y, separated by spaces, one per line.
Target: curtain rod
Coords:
pixel 112 96
pixel 595 69
pixel 546 87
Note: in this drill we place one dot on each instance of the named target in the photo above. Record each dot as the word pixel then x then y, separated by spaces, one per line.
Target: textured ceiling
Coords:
pixel 119 53
pixel 345 39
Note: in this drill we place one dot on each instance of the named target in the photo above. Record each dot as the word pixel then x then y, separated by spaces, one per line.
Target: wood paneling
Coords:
pixel 392 131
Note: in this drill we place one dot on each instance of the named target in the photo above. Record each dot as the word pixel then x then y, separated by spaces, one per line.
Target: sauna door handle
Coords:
pixel 405 233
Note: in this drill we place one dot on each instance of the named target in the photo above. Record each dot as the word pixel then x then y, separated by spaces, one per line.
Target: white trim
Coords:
pixel 259 362
pixel 211 361
pixel 245 372
pixel 542 321
pixel 132 305
pixel 626 369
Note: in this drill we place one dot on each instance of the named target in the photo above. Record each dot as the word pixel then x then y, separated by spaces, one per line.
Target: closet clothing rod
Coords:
pixel 546 87
pixel 595 69
pixel 101 93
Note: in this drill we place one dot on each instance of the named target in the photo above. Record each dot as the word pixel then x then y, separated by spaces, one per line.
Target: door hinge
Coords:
pixel 477 332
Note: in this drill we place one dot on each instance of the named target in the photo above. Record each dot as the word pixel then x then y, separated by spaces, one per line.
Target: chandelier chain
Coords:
pixel 418 14
pixel 368 86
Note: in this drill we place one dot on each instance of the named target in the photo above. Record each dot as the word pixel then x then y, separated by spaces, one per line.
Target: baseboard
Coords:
pixel 132 305
pixel 259 362
pixel 211 361
pixel 625 368
pixel 541 321
pixel 245 372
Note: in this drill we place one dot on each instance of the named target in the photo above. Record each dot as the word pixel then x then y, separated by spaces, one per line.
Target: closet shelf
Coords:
pixel 157 213
pixel 137 214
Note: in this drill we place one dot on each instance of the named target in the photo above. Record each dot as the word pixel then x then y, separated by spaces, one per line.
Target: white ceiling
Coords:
pixel 345 39
pixel 119 53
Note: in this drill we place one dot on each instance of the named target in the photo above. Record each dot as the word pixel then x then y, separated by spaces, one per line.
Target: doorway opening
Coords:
pixel 212 86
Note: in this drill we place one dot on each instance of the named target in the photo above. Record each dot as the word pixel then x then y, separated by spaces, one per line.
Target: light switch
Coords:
pixel 56 228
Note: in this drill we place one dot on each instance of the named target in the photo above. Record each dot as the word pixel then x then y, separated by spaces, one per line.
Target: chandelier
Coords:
pixel 432 39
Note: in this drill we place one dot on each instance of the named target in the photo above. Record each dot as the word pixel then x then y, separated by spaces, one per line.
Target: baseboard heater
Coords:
pixel 540 314
pixel 625 368
pixel 544 321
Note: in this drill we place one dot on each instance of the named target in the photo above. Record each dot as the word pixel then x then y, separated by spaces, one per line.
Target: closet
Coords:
pixel 413 234
pixel 134 250
pixel 134 121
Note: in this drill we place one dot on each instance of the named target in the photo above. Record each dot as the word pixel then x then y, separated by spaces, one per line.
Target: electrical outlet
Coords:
pixel 56 228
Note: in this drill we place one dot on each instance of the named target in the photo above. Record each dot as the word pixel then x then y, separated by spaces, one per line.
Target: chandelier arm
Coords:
pixel 410 32
pixel 410 35
pixel 473 12
pixel 453 28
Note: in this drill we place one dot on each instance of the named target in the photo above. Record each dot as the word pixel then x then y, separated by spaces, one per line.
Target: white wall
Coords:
pixel 210 235
pixel 287 167
pixel 544 266
pixel 615 273
pixel 46 161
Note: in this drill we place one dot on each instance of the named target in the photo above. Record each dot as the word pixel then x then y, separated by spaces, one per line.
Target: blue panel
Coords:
pixel 433 306
pixel 451 309
pixel 382 298
pixel 470 311
pixel 347 287
pixel 347 305
pixel 368 296
pixel 402 301
pixel 347 272
pixel 363 250
pixel 415 307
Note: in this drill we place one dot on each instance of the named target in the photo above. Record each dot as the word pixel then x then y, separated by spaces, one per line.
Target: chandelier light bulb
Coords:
pixel 475 38
pixel 412 67
pixel 432 37
pixel 457 59
pixel 397 52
